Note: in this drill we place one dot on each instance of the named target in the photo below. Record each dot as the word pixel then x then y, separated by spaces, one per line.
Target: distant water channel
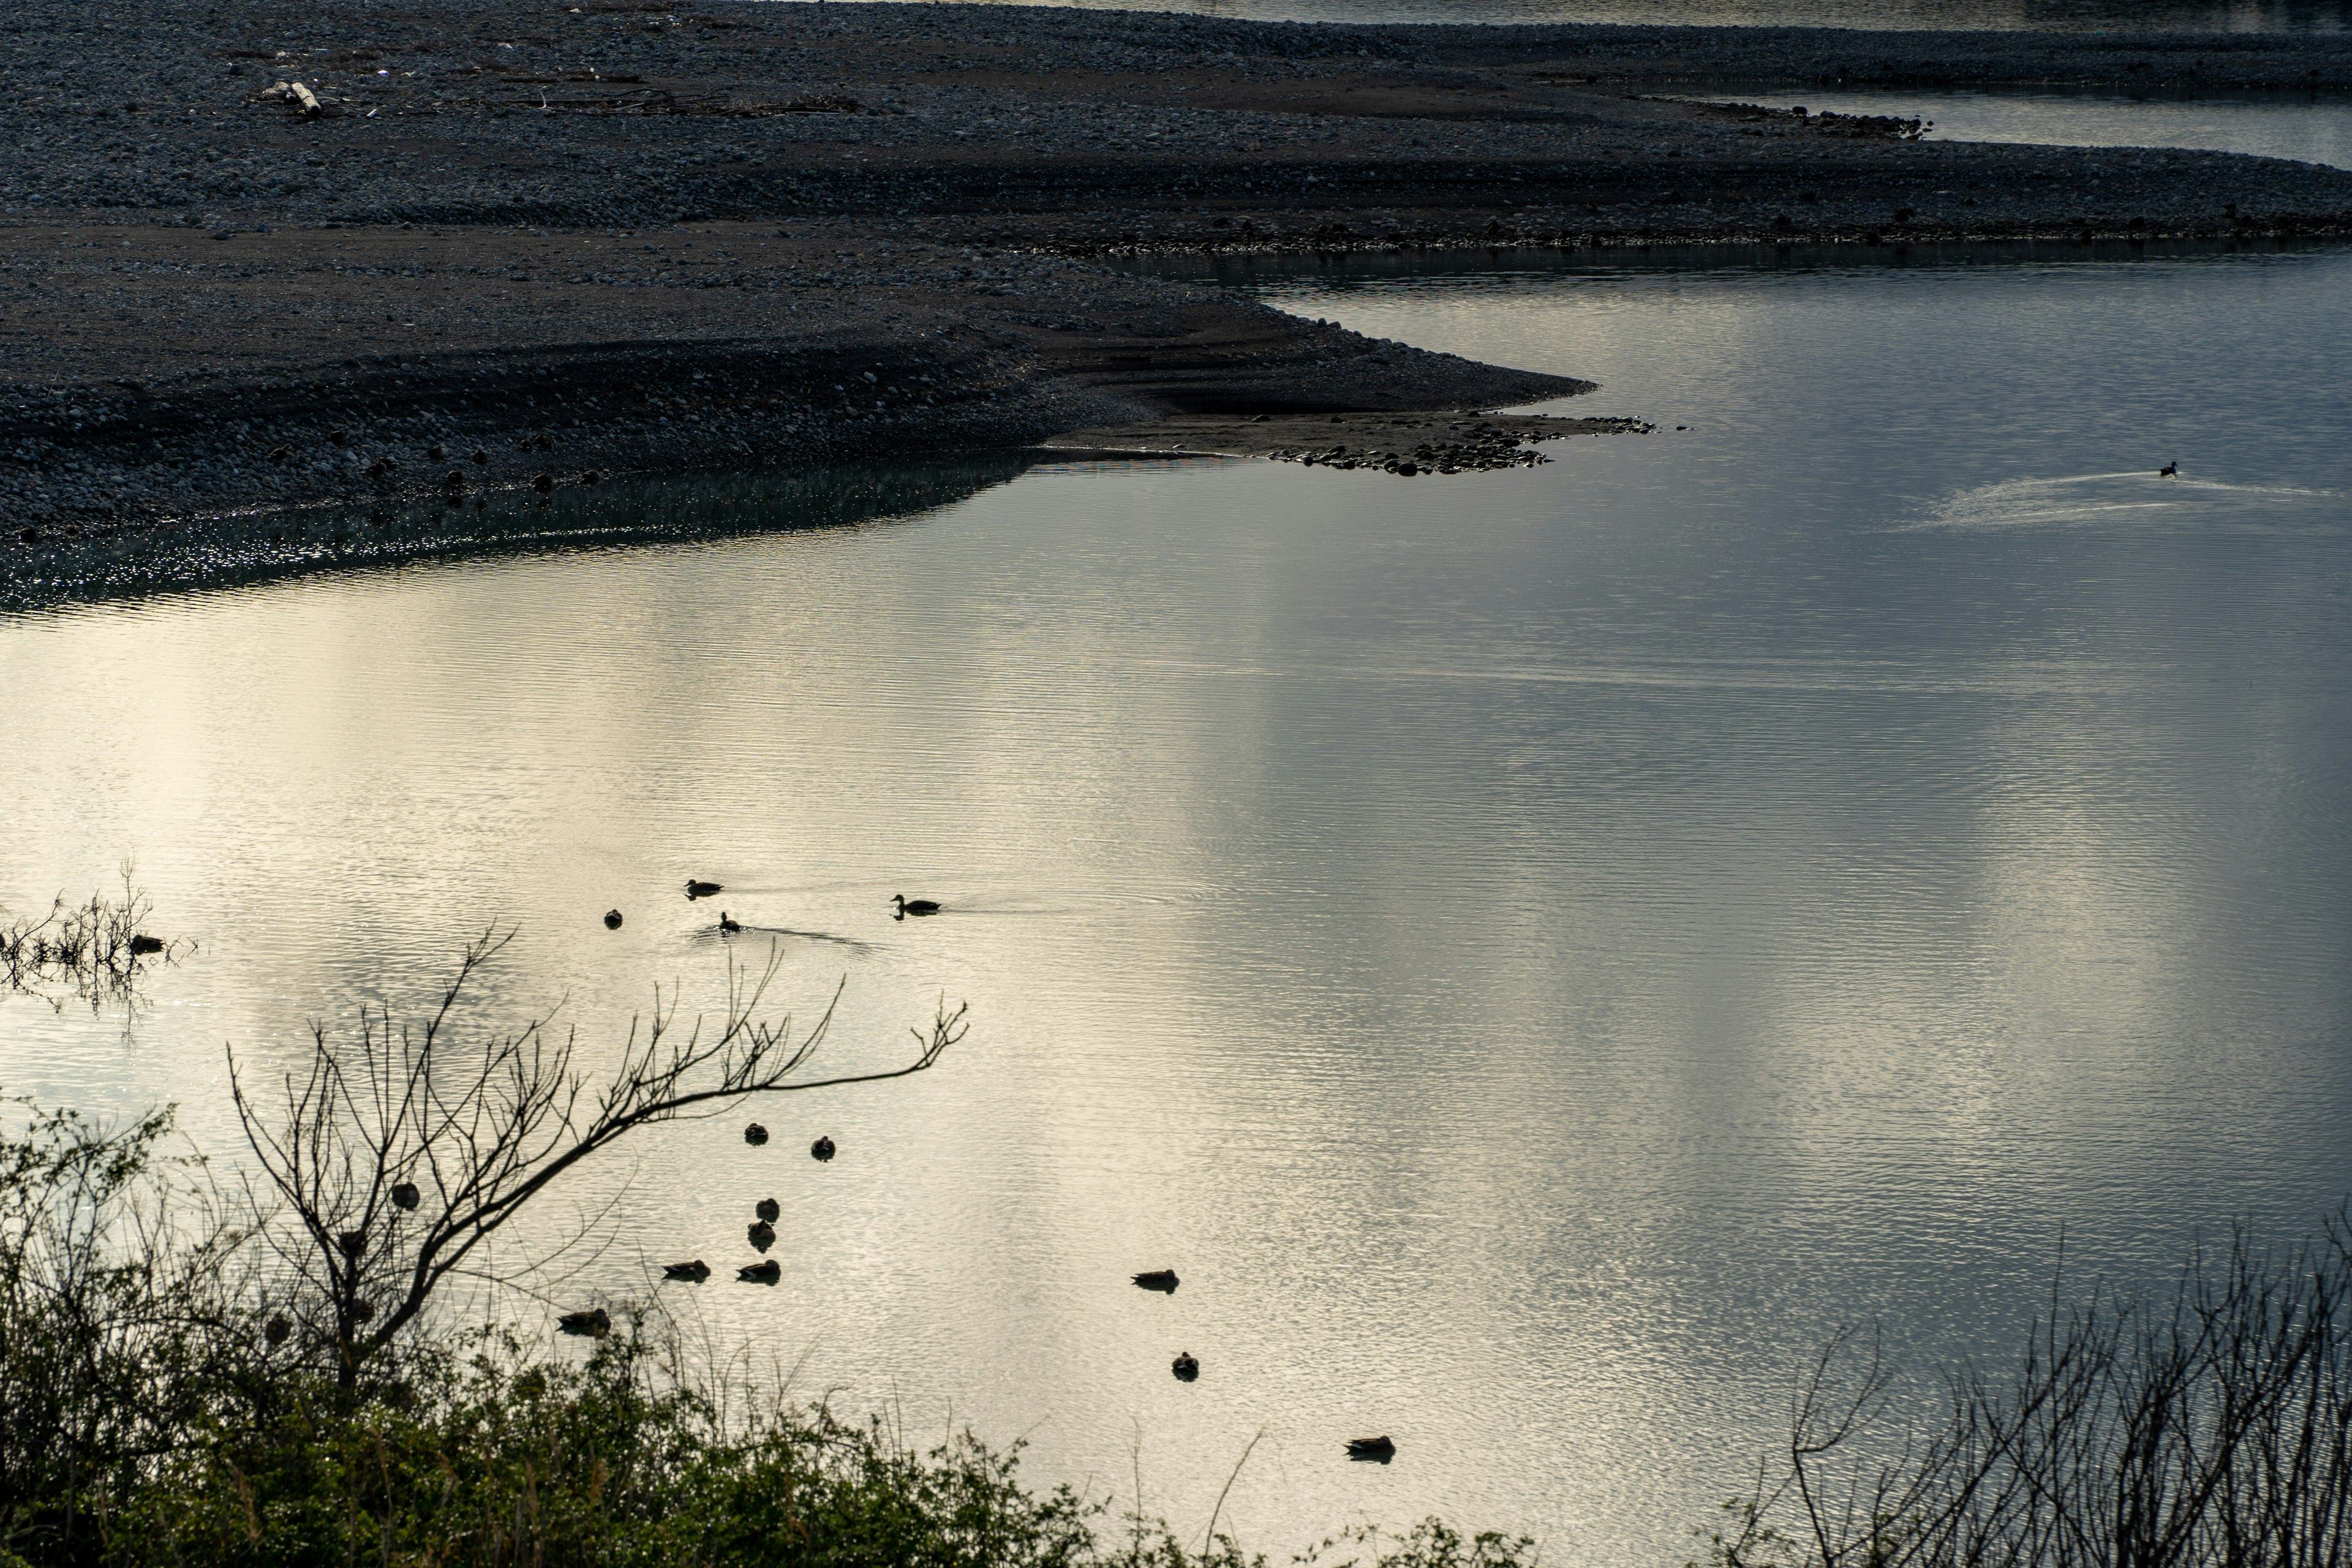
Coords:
pixel 2307 128
pixel 2050 16
pixel 1535 951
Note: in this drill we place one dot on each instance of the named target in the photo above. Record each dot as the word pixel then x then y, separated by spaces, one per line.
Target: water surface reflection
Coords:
pixel 2308 128
pixel 1533 951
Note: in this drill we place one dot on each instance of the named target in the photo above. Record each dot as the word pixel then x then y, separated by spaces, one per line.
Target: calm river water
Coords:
pixel 2309 129
pixel 1536 952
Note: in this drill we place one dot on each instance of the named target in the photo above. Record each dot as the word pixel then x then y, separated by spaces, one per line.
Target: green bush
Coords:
pixel 150 1420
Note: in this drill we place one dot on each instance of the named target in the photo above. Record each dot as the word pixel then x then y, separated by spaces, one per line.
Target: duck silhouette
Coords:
pixel 762 1235
pixel 404 1196
pixel 1185 1368
pixel 612 920
pixel 821 1149
pixel 1379 1450
pixel 908 906
pixel 695 889
pixel 144 944
pixel 1163 1280
pixel 769 1209
pixel 694 1272
pixel 766 1273
pixel 2170 470
pixel 755 1135
pixel 594 1323
pixel 727 924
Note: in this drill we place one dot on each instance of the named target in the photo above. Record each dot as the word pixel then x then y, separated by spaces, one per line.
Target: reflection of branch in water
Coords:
pixel 92 952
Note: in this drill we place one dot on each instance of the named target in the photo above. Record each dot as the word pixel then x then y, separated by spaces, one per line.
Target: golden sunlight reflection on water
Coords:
pixel 1535 951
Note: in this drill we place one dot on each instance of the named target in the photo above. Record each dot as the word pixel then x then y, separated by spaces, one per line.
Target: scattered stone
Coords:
pixel 1405 445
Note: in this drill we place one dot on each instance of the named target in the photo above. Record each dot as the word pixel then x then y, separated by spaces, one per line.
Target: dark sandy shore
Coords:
pixel 518 245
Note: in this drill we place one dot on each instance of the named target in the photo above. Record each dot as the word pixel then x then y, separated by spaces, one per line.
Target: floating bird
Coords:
pixel 596 1323
pixel 769 1209
pixel 908 906
pixel 1380 1449
pixel 755 1135
pixel 2170 470
pixel 762 1235
pixel 695 889
pixel 612 920
pixel 694 1272
pixel 404 1196
pixel 276 1330
pixel 142 944
pixel 727 924
pixel 1185 1368
pixel 821 1149
pixel 766 1273
pixel 1163 1280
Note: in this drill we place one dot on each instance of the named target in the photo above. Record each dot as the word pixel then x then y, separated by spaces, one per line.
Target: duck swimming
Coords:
pixel 768 1209
pixel 755 1135
pixel 1185 1368
pixel 2170 471
pixel 1379 1449
pixel 766 1273
pixel 1163 1280
pixel 821 1149
pixel 762 1235
pixel 612 920
pixel 908 906
pixel 695 889
pixel 727 924
pixel 405 1195
pixel 596 1323
pixel 694 1273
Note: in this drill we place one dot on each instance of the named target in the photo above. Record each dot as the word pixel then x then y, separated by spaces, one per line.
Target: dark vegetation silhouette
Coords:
pixel 91 952
pixel 2208 1427
pixel 257 1371
pixel 481 1129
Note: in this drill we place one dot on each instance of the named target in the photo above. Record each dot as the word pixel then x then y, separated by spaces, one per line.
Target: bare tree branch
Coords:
pixel 397 1159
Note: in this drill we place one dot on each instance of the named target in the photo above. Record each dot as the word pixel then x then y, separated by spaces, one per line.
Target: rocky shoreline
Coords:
pixel 498 249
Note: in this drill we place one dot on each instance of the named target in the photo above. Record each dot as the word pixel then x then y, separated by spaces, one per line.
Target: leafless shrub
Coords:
pixel 393 1158
pixel 2211 1428
pixel 93 951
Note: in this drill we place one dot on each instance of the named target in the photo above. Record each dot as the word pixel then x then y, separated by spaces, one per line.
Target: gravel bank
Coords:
pixel 518 245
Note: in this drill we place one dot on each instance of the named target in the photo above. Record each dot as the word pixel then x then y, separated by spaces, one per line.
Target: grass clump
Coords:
pixel 2209 1427
pixel 91 952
